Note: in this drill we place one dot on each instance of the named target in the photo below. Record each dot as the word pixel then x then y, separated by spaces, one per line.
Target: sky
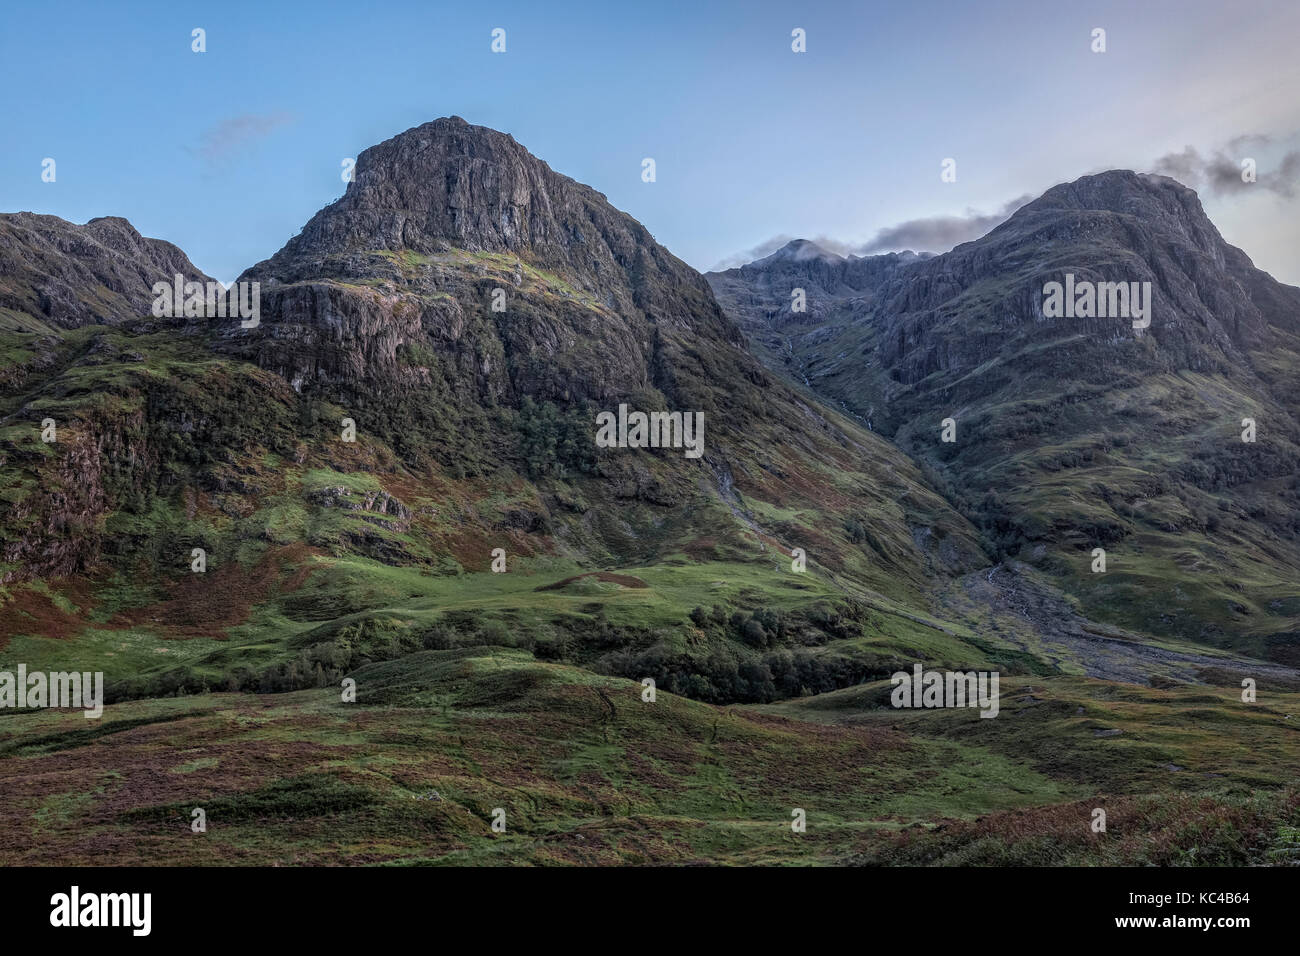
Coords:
pixel 228 152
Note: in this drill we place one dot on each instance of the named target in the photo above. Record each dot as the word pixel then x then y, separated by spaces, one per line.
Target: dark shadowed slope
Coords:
pixel 1078 433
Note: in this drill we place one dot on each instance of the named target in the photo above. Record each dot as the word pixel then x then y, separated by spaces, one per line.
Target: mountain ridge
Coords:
pixel 1079 433
pixel 65 275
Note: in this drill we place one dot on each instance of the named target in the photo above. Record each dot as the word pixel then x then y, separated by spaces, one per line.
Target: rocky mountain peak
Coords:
pixel 1159 203
pixel 469 185
pixel 68 275
pixel 454 240
pixel 449 184
pixel 799 250
pixel 939 319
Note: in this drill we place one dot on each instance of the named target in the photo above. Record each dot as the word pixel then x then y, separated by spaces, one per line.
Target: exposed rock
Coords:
pixel 67 275
pixel 400 273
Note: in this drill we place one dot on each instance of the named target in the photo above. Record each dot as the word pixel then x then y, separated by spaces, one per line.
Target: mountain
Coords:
pixel 760 295
pixel 1079 433
pixel 827 278
pixel 55 273
pixel 384 305
pixel 435 220
pixel 392 483
pixel 475 431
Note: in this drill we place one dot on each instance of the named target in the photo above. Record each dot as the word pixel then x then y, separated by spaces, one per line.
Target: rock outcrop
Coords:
pixel 454 241
pixel 65 275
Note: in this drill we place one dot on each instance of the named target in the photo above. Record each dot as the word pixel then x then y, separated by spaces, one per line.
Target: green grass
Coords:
pixel 587 772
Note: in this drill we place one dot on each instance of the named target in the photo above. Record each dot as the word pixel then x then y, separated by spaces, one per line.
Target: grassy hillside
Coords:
pixel 322 554
pixel 588 772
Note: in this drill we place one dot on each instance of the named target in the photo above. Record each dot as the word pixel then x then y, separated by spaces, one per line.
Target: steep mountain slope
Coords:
pixel 56 273
pixel 1079 433
pixel 470 306
pixel 475 431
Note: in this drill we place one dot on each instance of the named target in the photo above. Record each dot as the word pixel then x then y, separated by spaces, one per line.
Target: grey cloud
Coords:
pixel 932 234
pixel 762 250
pixel 1220 172
pixel 769 246
pixel 938 233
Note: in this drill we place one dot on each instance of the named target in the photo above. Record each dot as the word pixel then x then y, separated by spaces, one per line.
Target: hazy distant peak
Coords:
pixel 801 250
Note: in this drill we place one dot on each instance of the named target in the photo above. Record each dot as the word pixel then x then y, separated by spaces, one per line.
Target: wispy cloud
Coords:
pixel 1219 173
pixel 223 141
pixel 760 251
pixel 929 234
pixel 939 233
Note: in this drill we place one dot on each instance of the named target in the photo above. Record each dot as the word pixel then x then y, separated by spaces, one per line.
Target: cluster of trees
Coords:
pixel 321 664
pixel 184 431
pixel 1222 466
pixel 429 424
pixel 752 657
pixel 555 443
pixel 759 629
pixel 748 657
pixel 727 674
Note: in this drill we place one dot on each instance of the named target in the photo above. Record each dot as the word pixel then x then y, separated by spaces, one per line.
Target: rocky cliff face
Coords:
pixel 1079 432
pixel 66 292
pixel 450 184
pixel 454 241
pixel 1210 303
pixel 67 275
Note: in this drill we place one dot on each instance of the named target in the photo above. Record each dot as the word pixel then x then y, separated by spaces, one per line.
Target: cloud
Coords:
pixel 1220 173
pixel 932 234
pixel 760 251
pixel 769 246
pixel 222 141
pixel 939 233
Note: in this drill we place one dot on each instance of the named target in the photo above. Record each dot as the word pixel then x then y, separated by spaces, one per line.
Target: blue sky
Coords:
pixel 229 152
